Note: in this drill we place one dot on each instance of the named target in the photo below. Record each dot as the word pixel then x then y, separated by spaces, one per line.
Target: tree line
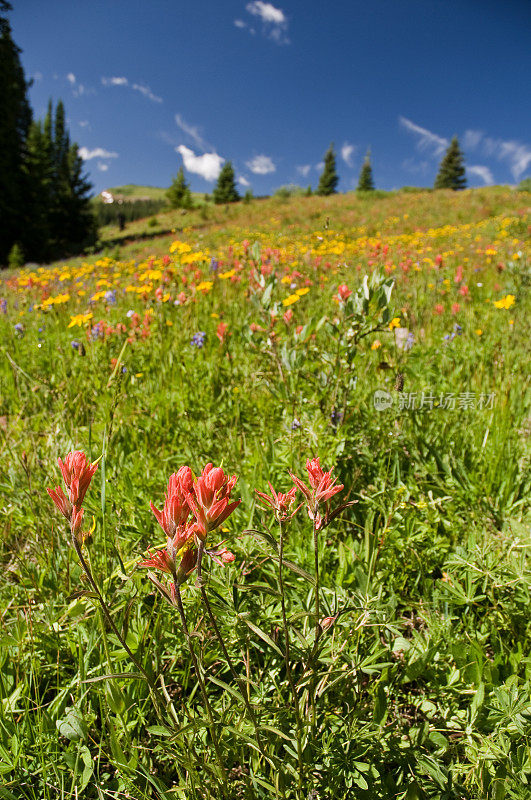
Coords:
pixel 451 175
pixel 45 209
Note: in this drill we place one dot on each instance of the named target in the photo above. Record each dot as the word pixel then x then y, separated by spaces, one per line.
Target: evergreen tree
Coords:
pixel 451 173
pixel 15 120
pixel 225 190
pixel 366 181
pixel 179 193
pixel 329 177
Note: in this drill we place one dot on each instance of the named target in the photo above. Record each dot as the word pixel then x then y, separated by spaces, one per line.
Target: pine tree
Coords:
pixel 179 193
pixel 225 190
pixel 451 173
pixel 329 177
pixel 15 120
pixel 366 181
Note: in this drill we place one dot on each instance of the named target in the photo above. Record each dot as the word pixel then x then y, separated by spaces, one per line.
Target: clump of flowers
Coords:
pixel 198 339
pixel 193 508
pixel 322 488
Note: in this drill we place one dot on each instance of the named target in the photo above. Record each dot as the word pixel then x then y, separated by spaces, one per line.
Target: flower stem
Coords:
pixel 108 617
pixel 287 656
pixel 202 686
pixel 219 637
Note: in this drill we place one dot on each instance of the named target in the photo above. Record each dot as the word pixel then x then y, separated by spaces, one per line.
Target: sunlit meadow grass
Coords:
pixel 249 336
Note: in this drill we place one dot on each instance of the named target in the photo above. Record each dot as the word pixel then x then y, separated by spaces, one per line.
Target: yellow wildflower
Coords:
pixel 80 319
pixel 303 291
pixel 395 323
pixel 505 302
pixel 288 301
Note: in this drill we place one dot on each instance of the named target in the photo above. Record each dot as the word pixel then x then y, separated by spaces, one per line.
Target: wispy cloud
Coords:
pixel 304 170
pixel 78 89
pixel 98 152
pixel 347 151
pixel 146 91
pixel 71 78
pixel 415 167
pixel 273 19
pixel 115 81
pixel 137 87
pixel 208 166
pixel 102 167
pixel 516 154
pixel 261 165
pixel 243 180
pixel 471 139
pixel 426 140
pixel 192 131
pixel 482 172
pixel 37 76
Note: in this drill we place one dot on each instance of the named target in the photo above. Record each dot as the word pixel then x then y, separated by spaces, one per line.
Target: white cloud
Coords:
pixel 115 81
pixel 71 78
pixel 102 167
pixel 240 23
pixel 261 165
pixel 427 140
pixel 208 166
pixel 274 20
pixel 472 139
pixel 266 11
pixel 191 130
pixel 347 151
pixel 98 152
pixel 320 166
pixel 482 172
pixel 304 170
pixel 146 91
pixel 243 181
pixel 517 155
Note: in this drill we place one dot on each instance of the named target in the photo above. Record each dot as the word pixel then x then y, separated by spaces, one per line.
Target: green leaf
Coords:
pixel 263 635
pixel 73 726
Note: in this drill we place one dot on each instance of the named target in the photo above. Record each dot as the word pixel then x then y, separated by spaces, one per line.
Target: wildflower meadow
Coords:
pixel 265 505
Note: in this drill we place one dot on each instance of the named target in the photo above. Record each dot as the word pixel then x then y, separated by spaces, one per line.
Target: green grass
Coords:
pixel 422 684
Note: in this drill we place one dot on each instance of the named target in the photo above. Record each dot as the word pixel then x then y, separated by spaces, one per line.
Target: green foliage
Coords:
pixel 525 185
pixel 15 120
pixel 130 210
pixel 329 178
pixel 179 195
pixel 452 173
pixel 422 681
pixel 225 190
pixel 16 257
pixel 366 181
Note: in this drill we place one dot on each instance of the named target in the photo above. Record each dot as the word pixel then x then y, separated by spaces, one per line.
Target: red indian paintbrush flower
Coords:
pixel 176 510
pixel 323 487
pixel 77 474
pixel 209 500
pixel 280 503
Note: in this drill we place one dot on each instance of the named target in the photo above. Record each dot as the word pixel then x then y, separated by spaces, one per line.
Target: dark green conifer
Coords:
pixel 451 173
pixel 225 190
pixel 329 177
pixel 179 194
pixel 15 120
pixel 366 181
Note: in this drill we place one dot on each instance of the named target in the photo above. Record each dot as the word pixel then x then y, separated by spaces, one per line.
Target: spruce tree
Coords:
pixel 179 194
pixel 366 181
pixel 225 190
pixel 329 177
pixel 451 173
pixel 15 120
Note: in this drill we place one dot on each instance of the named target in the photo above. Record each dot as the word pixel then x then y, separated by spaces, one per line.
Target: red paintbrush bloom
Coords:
pixel 280 503
pixel 61 501
pixel 77 474
pixel 344 292
pixel 221 331
pixel 209 499
pixel 322 488
pixel 176 510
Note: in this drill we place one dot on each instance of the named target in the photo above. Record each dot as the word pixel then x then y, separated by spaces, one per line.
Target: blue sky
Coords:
pixel 149 86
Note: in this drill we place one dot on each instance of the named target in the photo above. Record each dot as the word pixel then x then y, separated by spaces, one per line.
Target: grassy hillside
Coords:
pixel 363 636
